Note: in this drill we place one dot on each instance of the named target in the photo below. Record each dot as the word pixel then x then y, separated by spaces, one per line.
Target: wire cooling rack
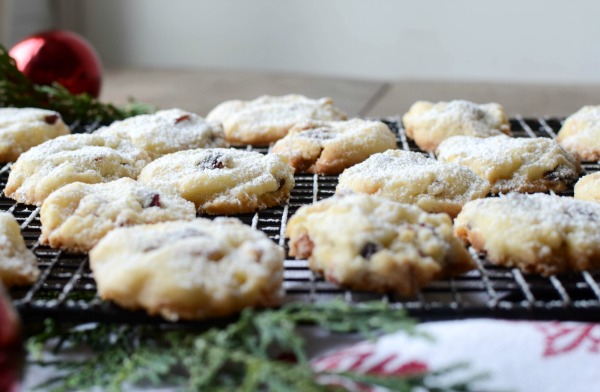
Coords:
pixel 66 290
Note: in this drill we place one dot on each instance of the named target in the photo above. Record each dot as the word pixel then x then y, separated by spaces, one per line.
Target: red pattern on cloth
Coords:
pixel 563 338
pixel 364 359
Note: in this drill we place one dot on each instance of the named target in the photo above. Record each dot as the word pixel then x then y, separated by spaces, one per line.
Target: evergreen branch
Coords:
pixel 17 91
pixel 236 357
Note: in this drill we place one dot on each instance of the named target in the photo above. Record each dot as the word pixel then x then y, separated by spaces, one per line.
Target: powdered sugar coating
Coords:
pixel 223 181
pixel 167 131
pixel 580 133
pixel 369 243
pixel 23 128
pixel 76 216
pixel 189 269
pixel 514 164
pixel 539 233
pixel 82 157
pixel 328 147
pixel 18 265
pixel 410 177
pixel 267 119
pixel 431 123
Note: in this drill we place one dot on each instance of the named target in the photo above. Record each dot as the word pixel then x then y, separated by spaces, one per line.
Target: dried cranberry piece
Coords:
pixel 558 175
pixel 152 201
pixel 51 119
pixel 369 249
pixel 182 118
pixel 212 161
pixel 303 246
pixel 281 183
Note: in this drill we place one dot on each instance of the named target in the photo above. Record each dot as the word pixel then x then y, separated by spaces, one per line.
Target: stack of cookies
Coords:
pixel 130 194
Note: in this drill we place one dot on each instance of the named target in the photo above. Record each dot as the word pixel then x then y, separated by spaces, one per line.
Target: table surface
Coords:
pixel 201 90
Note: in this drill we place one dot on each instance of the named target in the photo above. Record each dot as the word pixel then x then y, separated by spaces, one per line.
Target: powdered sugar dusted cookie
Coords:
pixel 167 131
pixel 189 269
pixel 369 243
pixel 580 133
pixel 72 158
pixel 76 216
pixel 431 123
pixel 18 265
pixel 539 233
pixel 23 128
pixel 267 119
pixel 410 177
pixel 328 147
pixel 588 187
pixel 223 181
pixel 514 164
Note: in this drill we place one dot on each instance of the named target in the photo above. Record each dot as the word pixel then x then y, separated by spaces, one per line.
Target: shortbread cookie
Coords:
pixel 167 131
pixel 21 129
pixel 580 133
pixel 539 233
pixel 223 181
pixel 410 177
pixel 72 158
pixel 588 187
pixel 431 123
pixel 268 119
pixel 189 269
pixel 18 265
pixel 369 243
pixel 328 147
pixel 76 216
pixel 514 164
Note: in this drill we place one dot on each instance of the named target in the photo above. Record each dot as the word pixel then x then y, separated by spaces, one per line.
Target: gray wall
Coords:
pixel 545 41
pixel 20 18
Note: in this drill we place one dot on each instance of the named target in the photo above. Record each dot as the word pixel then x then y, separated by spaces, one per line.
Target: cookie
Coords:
pixel 267 119
pixel 431 123
pixel 23 128
pixel 514 164
pixel 167 131
pixel 374 244
pixel 538 232
pixel 410 177
pixel 18 265
pixel 588 187
pixel 223 181
pixel 76 216
pixel 189 269
pixel 72 158
pixel 580 133
pixel 329 147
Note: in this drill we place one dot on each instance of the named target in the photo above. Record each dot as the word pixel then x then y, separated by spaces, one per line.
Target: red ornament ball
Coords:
pixel 60 56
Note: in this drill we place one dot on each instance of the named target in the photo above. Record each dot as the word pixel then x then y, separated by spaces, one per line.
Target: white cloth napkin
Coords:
pixel 517 355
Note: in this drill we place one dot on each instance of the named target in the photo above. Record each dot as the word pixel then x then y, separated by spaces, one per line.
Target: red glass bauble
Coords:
pixel 60 56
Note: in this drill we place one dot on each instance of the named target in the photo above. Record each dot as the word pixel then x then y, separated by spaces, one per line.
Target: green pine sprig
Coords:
pixel 240 356
pixel 17 91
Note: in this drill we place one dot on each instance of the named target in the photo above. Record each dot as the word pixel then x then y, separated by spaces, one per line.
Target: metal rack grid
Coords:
pixel 66 289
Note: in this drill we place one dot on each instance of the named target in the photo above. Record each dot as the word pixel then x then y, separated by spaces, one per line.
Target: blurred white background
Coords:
pixel 527 41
